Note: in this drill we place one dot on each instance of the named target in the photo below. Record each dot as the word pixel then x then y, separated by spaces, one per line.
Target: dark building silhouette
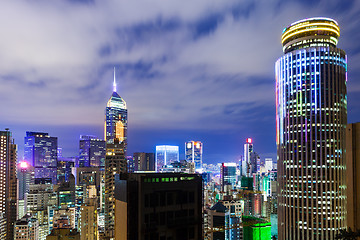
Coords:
pixel 144 161
pixel 158 206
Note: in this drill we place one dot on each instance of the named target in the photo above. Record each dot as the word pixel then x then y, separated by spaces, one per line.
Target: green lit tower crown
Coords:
pixel 311 117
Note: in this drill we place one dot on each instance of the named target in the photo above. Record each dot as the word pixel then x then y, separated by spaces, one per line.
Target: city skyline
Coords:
pixel 182 68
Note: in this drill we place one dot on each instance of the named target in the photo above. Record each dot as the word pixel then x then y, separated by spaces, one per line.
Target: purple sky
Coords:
pixel 188 70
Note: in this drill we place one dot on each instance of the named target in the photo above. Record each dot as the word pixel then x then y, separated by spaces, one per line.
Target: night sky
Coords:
pixel 188 70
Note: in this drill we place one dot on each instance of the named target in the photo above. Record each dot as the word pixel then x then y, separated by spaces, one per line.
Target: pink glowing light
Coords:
pixel 23 165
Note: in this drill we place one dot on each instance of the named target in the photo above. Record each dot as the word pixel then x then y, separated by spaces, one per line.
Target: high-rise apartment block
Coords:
pixel 40 151
pixel 115 161
pixel 165 154
pixel 92 151
pixel 311 110
pixel 194 153
pixel 353 175
pixel 8 185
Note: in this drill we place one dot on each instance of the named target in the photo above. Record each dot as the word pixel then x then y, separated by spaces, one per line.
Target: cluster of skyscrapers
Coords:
pixel 309 192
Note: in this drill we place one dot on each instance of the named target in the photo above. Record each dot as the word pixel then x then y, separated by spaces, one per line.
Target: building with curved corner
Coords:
pixel 311 117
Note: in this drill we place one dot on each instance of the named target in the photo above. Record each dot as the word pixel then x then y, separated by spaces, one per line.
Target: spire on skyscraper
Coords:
pixel 114 84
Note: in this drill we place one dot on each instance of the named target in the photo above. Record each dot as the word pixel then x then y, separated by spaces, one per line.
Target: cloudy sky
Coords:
pixel 188 70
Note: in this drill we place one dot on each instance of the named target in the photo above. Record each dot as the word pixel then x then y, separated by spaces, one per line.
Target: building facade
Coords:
pixel 92 151
pixel 40 151
pixel 194 153
pixel 246 163
pixel 144 161
pixel 228 175
pixel 165 154
pixel 116 118
pixel 8 185
pixel 353 175
pixel 311 110
pixel 158 206
pixel 26 228
pixel 88 220
pixel 40 197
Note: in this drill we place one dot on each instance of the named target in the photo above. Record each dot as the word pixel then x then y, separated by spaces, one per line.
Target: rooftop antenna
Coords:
pixel 114 84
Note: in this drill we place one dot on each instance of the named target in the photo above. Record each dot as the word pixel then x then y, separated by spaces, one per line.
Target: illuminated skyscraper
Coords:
pixel 165 154
pixel 246 163
pixel 228 175
pixel 116 118
pixel 8 185
pixel 115 161
pixel 311 110
pixel 193 153
pixel 41 152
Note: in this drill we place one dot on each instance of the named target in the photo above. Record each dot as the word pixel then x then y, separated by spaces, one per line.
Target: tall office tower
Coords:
pixel 116 118
pixel 25 175
pixel 8 185
pixel 144 161
pixel 40 151
pixel 165 154
pixel 193 153
pixel 227 175
pixel 254 163
pixel 353 175
pixel 246 164
pixel 92 151
pixel 115 161
pixel 158 206
pixel 311 116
